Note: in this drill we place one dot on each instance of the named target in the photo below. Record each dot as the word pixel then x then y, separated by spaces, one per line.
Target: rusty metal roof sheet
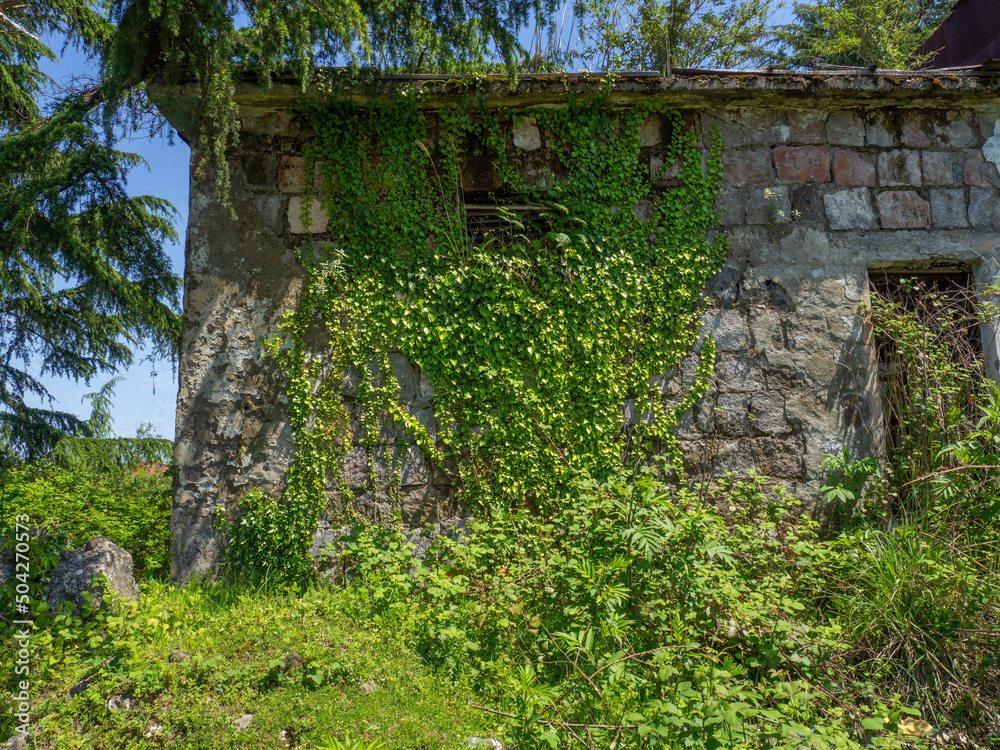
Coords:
pixel 969 36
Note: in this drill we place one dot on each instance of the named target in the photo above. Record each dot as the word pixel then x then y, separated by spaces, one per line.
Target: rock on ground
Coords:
pixel 77 570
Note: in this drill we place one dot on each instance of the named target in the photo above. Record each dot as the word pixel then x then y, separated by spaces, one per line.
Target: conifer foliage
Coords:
pixel 84 278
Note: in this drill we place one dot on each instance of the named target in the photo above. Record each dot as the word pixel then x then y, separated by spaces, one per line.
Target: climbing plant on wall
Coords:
pixel 543 341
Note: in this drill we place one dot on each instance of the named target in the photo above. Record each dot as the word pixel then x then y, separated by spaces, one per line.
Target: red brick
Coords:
pixel 852 169
pixel 747 167
pixel 802 163
pixel 903 209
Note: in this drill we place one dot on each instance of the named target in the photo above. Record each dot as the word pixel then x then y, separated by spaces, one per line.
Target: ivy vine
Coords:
pixel 543 342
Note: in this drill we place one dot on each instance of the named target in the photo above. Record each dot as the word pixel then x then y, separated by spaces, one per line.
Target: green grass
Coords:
pixel 357 681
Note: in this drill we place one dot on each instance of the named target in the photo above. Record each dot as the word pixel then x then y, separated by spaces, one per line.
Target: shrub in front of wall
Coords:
pixel 129 506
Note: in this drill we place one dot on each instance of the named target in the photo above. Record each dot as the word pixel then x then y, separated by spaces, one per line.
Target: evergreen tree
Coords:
pixel 84 278
pixel 859 33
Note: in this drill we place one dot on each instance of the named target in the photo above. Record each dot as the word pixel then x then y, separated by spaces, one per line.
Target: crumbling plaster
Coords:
pixel 826 176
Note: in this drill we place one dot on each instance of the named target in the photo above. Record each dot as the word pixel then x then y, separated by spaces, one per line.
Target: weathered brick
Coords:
pixel 852 169
pixel 903 209
pixel 948 208
pixel 899 167
pixel 291 174
pixel 880 131
pixel 845 129
pixel 802 163
pixel 296 216
pixel 806 127
pixel 984 208
pixel 850 209
pixel 912 131
pixel 747 167
pixel 941 168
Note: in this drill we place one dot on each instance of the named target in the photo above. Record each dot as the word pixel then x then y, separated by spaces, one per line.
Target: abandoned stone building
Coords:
pixel 828 178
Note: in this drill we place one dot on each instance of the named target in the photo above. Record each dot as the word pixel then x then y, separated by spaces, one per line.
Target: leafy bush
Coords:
pixel 73 504
pixel 634 616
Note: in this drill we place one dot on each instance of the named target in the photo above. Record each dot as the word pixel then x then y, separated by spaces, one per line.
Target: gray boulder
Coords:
pixel 78 569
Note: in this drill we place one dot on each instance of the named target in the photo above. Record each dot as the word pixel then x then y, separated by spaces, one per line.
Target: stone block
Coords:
pixel 991 149
pixel 767 412
pixel 355 467
pixel 845 129
pixel 764 128
pixel 912 132
pixel 941 168
pixel 778 457
pixel 649 133
pixel 850 209
pixel 903 209
pixel 984 208
pixel 732 414
pixel 880 131
pixel 728 328
pixel 819 368
pixel 258 170
pixel 948 208
pixel 851 169
pixel 899 167
pixel 291 174
pixel 270 209
pixel 979 172
pixel 766 326
pixel 725 287
pixel 415 469
pixel 989 123
pixel 806 127
pixel 526 135
pixel 738 373
pixel 747 167
pixel 802 163
pixel 729 204
pixel 806 204
pixel 767 205
pixel 298 214
pixel 955 134
pixel 660 176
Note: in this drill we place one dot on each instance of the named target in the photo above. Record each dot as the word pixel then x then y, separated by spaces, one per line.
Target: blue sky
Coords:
pixel 148 390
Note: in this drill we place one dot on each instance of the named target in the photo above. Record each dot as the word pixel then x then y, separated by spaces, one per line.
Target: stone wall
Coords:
pixel 826 177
